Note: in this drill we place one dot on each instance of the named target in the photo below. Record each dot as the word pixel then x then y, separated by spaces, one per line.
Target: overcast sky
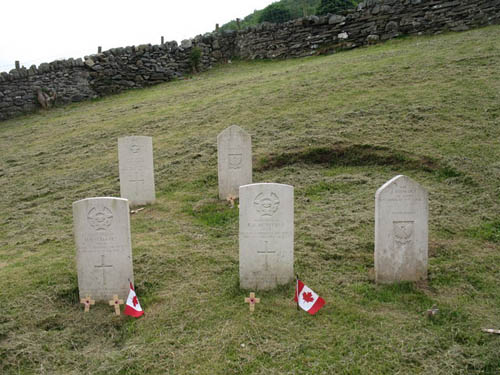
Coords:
pixel 36 31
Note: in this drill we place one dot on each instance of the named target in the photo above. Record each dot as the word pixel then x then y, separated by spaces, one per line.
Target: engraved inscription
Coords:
pixel 235 161
pixel 266 204
pixel 400 192
pixel 98 243
pixel 100 219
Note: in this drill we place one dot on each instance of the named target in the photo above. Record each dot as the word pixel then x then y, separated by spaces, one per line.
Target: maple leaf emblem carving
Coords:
pixel 134 301
pixel 307 297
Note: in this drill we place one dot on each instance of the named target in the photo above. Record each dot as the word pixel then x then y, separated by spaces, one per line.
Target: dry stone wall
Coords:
pixel 371 22
pixel 123 68
pixel 18 90
pixel 119 69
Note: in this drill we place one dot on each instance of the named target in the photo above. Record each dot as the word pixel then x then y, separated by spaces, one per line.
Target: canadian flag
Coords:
pixel 307 299
pixel 133 307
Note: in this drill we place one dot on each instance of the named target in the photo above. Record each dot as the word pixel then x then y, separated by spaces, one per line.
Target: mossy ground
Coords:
pixel 335 127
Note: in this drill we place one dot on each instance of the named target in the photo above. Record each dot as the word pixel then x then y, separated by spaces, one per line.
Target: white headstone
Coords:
pixel 266 236
pixel 101 228
pixel 234 150
pixel 401 231
pixel 135 158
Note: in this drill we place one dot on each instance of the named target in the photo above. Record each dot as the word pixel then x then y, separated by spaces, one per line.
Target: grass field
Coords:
pixel 336 128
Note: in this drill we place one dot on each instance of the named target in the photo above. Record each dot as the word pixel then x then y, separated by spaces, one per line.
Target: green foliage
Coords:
pixel 195 58
pixel 275 13
pixel 335 6
pixel 301 8
pixel 297 9
pixel 212 213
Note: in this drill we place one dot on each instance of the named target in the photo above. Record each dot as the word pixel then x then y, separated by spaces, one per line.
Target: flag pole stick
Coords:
pixel 297 290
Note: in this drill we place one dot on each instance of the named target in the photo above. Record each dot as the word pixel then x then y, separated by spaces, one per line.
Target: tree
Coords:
pixel 335 6
pixel 275 13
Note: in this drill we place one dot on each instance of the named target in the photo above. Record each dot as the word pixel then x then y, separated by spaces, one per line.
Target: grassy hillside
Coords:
pixel 335 127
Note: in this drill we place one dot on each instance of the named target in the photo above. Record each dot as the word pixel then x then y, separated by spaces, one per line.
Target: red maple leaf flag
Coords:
pixel 307 299
pixel 133 307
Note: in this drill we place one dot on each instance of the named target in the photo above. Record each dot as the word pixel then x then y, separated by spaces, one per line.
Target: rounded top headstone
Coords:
pixel 233 130
pixel 399 180
pixel 401 231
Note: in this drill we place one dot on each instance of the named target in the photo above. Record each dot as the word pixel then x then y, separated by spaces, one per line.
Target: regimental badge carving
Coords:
pixel 135 148
pixel 266 204
pixel 235 161
pixel 100 219
pixel 403 233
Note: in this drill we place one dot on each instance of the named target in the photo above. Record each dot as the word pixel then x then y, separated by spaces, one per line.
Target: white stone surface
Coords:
pixel 135 158
pixel 234 151
pixel 401 231
pixel 101 228
pixel 266 235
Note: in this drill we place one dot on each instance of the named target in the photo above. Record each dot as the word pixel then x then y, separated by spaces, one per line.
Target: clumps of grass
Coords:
pixel 51 323
pixel 212 213
pixel 69 295
pixel 205 182
pixel 405 293
pixel 323 186
pixel 201 184
pixel 454 315
pixel 447 172
pixel 331 257
pixel 488 231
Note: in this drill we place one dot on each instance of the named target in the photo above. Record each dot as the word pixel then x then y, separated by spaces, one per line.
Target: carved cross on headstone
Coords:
pixel 137 180
pixel 87 301
pixel 266 252
pixel 252 301
pixel 116 303
pixel 103 267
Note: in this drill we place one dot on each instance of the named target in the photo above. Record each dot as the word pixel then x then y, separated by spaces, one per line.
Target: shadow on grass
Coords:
pixel 357 155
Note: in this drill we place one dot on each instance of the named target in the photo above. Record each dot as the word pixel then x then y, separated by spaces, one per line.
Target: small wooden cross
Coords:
pixel 252 301
pixel 116 303
pixel 231 200
pixel 87 301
